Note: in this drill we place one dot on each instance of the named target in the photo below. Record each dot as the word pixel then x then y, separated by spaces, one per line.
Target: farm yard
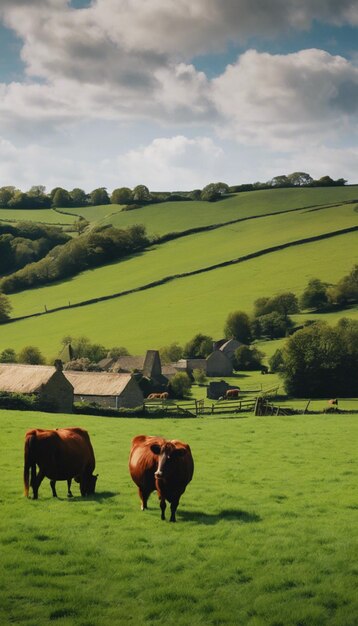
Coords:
pixel 263 533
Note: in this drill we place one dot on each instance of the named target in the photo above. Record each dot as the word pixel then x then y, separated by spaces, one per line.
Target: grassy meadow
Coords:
pixel 178 216
pixel 179 309
pixel 263 538
pixel 46 216
pixel 185 255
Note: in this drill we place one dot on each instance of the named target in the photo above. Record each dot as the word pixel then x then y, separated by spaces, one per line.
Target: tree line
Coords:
pixel 58 197
pixel 91 249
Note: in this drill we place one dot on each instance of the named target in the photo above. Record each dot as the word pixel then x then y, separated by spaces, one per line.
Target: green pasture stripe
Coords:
pixel 181 308
pixel 45 216
pixel 184 255
pixel 178 216
pixel 264 533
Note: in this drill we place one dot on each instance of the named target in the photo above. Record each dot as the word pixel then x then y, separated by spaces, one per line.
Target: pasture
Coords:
pixel 178 216
pixel 179 309
pixel 46 216
pixel 263 538
pixel 185 255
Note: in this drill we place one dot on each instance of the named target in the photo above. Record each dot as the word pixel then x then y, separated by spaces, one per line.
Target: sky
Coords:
pixel 175 94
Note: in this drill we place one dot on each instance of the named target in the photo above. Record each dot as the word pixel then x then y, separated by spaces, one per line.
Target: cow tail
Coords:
pixel 30 462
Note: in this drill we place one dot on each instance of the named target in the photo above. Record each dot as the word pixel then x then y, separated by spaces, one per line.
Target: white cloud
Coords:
pixel 287 101
pixel 173 163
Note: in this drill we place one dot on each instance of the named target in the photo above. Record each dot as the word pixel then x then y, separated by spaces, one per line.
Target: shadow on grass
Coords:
pixel 209 519
pixel 100 496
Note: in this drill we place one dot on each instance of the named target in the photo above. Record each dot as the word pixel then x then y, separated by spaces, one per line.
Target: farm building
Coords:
pixel 106 389
pixel 48 382
pixel 218 364
pixel 229 348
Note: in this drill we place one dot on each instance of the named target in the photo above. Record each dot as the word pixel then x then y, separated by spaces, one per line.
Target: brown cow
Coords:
pixel 232 393
pixel 60 454
pixel 154 396
pixel 164 396
pixel 167 466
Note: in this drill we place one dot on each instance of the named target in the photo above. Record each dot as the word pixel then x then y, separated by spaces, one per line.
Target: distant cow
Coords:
pixel 164 396
pixel 167 466
pixel 61 454
pixel 333 403
pixel 154 396
pixel 232 393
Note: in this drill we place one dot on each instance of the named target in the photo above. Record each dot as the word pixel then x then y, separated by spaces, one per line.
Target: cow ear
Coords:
pixel 155 448
pixel 180 452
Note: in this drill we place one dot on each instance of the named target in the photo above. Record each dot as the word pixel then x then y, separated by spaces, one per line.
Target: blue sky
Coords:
pixel 174 93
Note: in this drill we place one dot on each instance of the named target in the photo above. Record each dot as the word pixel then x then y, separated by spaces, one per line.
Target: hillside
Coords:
pixel 182 306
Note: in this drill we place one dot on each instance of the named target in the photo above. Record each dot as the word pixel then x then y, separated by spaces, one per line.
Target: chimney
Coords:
pixel 58 365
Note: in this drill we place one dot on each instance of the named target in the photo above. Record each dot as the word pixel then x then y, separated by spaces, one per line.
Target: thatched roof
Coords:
pixel 97 383
pixel 19 378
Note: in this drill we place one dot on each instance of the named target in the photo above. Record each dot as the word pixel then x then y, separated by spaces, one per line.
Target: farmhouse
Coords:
pixel 48 383
pixel 106 388
pixel 218 364
pixel 229 347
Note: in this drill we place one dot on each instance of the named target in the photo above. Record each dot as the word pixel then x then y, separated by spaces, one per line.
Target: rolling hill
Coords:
pixel 195 296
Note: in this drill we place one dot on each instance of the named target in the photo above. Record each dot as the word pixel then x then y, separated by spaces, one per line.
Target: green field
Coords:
pixel 264 533
pixel 185 255
pixel 46 216
pixel 100 213
pixel 178 216
pixel 181 308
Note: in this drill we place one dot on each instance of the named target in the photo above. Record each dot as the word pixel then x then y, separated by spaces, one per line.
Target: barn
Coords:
pixel 218 364
pixel 107 389
pixel 47 382
pixel 229 348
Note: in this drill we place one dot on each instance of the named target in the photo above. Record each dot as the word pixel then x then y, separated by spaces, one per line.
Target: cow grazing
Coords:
pixel 164 395
pixel 232 393
pixel 61 454
pixel 154 396
pixel 167 466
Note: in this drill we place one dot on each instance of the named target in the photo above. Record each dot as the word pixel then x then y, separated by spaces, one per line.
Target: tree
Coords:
pixel 321 361
pixel 238 327
pixel 272 325
pixel 180 385
pixel 283 304
pixel 347 288
pixel 122 195
pixel 246 358
pixel 213 191
pixel 99 196
pixel 117 351
pixel 79 197
pixel 300 179
pixel 315 296
pixel 31 355
pixel 141 193
pixel 8 356
pixel 5 308
pixel 61 198
pixel 276 362
pixel 199 347
pixel 171 353
pixel 6 193
pixel 280 181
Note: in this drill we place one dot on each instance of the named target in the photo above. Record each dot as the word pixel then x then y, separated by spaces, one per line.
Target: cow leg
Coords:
pixel 36 482
pixel 69 492
pixel 143 499
pixel 163 506
pixel 53 487
pixel 173 508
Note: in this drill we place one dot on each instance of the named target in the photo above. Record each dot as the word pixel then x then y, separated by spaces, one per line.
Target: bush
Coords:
pixel 180 385
pixel 246 358
pixel 8 356
pixel 31 355
pixel 199 377
pixel 276 361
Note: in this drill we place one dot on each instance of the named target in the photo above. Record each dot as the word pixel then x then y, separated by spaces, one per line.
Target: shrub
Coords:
pixel 246 358
pixel 180 385
pixel 199 377
pixel 31 355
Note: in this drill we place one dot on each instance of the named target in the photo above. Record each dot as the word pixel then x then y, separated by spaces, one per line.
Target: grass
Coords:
pixel 178 310
pixel 185 255
pixel 102 212
pixel 178 216
pixel 47 216
pixel 263 538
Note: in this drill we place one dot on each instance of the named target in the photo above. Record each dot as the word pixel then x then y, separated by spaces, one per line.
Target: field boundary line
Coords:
pixel 172 277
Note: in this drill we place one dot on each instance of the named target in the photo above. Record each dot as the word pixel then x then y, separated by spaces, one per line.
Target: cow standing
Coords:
pixel 232 393
pixel 61 454
pixel 167 466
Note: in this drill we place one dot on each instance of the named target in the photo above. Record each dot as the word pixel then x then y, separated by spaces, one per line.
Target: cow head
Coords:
pixel 91 483
pixel 168 454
